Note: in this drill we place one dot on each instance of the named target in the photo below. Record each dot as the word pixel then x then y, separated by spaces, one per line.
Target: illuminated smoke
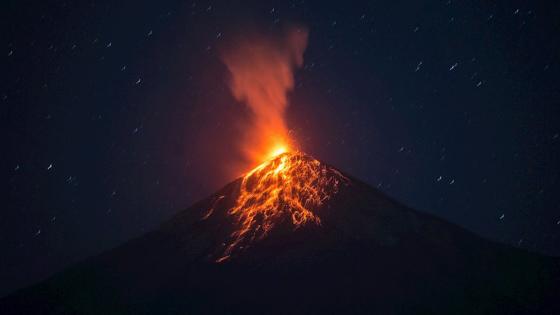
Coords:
pixel 261 75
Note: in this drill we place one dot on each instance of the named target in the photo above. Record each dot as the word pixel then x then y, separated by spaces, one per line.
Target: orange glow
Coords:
pixel 289 188
pixel 277 151
pixel 261 75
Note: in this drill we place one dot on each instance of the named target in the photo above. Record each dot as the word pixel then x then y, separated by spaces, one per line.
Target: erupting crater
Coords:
pixel 291 187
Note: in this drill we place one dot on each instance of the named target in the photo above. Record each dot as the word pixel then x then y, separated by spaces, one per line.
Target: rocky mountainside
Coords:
pixel 297 236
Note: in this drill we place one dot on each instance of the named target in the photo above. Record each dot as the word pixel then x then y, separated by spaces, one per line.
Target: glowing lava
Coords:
pixel 289 188
pixel 279 150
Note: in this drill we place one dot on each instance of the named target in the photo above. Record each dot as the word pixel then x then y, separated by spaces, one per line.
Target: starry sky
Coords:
pixel 116 115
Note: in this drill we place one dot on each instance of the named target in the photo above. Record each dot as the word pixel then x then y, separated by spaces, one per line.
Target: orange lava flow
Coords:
pixel 288 187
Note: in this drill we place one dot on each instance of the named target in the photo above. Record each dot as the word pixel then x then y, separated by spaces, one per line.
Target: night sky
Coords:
pixel 116 116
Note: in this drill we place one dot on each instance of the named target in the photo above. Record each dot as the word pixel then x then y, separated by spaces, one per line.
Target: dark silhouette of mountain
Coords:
pixel 316 241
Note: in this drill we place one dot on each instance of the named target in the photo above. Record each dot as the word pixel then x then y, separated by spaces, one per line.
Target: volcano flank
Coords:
pixel 295 235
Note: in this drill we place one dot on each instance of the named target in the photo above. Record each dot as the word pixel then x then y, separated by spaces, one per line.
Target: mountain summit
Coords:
pixel 287 190
pixel 295 235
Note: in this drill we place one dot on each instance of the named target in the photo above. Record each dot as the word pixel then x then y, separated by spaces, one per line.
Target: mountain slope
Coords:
pixel 297 236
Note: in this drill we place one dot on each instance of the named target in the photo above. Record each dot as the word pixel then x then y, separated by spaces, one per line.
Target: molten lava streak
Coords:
pixel 288 187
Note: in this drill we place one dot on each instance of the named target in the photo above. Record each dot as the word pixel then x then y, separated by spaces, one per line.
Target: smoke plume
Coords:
pixel 261 75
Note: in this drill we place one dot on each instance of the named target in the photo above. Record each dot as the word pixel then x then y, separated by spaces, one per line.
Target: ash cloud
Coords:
pixel 261 72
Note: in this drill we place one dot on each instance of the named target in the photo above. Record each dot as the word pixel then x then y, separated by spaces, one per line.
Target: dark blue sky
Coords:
pixel 116 116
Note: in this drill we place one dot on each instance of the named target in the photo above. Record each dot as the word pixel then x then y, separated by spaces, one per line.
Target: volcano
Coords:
pixel 295 235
